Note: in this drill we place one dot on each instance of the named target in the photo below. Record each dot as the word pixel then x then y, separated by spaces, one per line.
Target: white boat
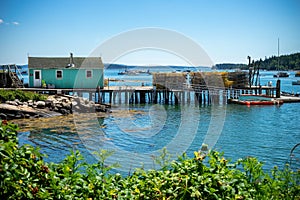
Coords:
pixel 250 99
pixel 281 74
pixel 134 72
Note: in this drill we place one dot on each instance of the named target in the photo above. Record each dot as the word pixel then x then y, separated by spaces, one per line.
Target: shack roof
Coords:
pixel 65 62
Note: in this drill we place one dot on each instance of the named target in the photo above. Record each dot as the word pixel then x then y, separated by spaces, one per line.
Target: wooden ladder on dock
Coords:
pixel 16 82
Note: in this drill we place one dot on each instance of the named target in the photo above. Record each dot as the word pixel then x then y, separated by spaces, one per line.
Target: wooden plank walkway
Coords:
pixel 149 94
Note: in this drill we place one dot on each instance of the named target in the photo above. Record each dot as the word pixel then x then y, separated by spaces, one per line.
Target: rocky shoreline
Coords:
pixel 55 105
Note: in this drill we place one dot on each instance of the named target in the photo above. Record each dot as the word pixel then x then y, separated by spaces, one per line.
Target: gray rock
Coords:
pixel 74 103
pixel 64 111
pixel 40 104
pixel 64 99
pixel 27 116
pixel 86 101
pixel 12 103
pixel 18 116
pixel 66 105
pixel 18 102
pixel 77 107
pixel 58 105
pixel 10 116
pixel 3 116
pixel 48 103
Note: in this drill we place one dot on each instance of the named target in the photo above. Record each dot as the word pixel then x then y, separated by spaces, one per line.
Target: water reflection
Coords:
pixel 266 132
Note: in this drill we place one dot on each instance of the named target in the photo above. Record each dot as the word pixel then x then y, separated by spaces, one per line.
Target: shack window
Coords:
pixel 89 74
pixel 59 74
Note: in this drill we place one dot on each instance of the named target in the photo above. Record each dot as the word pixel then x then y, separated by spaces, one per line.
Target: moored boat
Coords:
pixel 134 72
pixel 281 74
pixel 249 99
pixel 296 82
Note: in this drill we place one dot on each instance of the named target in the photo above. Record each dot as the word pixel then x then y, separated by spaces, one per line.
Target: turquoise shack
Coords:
pixel 66 72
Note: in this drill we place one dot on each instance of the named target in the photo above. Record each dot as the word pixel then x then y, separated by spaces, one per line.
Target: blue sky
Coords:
pixel 228 31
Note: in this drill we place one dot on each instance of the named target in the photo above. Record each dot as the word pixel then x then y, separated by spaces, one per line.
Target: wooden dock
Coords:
pixel 148 94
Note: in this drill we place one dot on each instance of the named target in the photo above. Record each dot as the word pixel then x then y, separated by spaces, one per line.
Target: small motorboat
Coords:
pixel 135 72
pixel 250 99
pixel 296 82
pixel 25 72
pixel 281 74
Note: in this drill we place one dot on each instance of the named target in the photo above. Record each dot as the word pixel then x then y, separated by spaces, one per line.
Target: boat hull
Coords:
pixel 281 75
pixel 248 103
pixel 296 83
pixel 255 100
pixel 261 102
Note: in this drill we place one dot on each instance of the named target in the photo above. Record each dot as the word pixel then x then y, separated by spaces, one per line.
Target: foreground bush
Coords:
pixel 24 175
pixel 10 95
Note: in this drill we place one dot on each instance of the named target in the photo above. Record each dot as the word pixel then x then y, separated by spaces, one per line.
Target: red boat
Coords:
pixel 255 100
pixel 274 102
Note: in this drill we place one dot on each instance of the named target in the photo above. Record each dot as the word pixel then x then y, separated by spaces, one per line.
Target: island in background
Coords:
pixel 286 62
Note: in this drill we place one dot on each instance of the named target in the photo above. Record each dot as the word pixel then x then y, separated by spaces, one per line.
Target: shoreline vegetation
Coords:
pixel 25 175
pixel 17 104
pixel 286 62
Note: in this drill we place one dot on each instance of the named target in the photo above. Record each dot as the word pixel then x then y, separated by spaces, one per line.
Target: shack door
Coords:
pixel 37 78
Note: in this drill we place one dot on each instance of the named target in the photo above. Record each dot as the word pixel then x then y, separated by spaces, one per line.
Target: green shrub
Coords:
pixel 24 175
pixel 10 95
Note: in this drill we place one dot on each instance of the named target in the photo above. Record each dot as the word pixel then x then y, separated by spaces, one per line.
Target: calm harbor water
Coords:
pixel 137 133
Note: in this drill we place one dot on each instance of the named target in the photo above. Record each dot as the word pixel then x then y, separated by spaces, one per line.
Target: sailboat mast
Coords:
pixel 278 55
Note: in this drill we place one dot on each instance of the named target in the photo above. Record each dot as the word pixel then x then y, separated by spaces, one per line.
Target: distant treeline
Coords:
pixel 286 62
pixel 230 66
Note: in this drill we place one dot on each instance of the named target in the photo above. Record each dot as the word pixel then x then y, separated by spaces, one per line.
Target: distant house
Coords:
pixel 66 72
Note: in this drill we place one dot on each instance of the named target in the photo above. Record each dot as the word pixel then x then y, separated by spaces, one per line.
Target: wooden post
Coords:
pixel 126 97
pixel 196 99
pixel 167 96
pixel 154 96
pixel 200 97
pixel 120 96
pixel 176 97
pixel 159 95
pixel 103 97
pixel 114 96
pixel 110 97
pixel 149 97
pixel 278 89
pixel 136 97
pixel 90 96
pixel 142 97
pixel 131 99
pixel 97 94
